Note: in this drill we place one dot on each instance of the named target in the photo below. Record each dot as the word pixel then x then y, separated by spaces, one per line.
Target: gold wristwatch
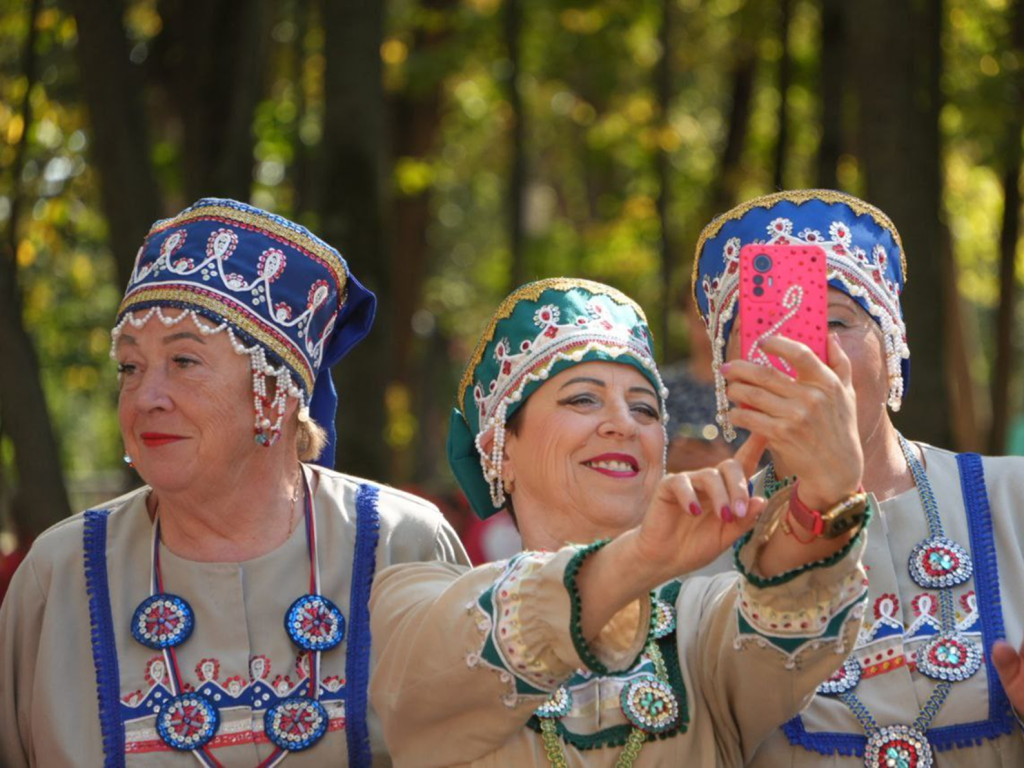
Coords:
pixel 834 521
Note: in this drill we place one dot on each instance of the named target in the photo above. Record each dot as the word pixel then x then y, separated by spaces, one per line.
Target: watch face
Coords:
pixel 845 520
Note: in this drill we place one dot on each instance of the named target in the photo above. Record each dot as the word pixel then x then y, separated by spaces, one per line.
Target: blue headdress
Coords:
pixel 285 298
pixel 865 261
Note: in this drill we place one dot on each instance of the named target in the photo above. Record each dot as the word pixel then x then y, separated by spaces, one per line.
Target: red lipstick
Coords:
pixel 156 439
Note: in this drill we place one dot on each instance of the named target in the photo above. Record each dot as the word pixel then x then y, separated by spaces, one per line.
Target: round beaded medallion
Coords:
pixel 296 723
pixel 162 621
pixel 663 618
pixel 649 704
pixel 557 706
pixel 949 657
pixel 845 679
pixel 187 722
pixel 939 562
pixel 898 746
pixel 315 623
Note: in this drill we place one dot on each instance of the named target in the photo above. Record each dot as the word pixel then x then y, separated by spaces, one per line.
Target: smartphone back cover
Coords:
pixel 783 292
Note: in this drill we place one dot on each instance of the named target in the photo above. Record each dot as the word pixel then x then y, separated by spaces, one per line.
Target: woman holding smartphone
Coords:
pixel 588 648
pixel 931 680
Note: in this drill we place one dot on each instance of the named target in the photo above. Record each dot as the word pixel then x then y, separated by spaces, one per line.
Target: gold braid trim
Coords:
pixel 306 243
pixel 532 292
pixel 796 196
pixel 240 320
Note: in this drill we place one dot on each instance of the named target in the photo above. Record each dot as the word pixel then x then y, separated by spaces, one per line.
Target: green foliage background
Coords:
pixel 593 130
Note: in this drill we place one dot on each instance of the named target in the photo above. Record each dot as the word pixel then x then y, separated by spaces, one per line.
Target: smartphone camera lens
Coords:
pixel 758 279
pixel 762 262
pixel 758 291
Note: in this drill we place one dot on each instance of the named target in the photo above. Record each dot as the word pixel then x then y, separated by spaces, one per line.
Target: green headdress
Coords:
pixel 538 331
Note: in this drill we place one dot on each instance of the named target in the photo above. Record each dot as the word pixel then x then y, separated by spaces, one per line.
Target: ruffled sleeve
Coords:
pixel 466 655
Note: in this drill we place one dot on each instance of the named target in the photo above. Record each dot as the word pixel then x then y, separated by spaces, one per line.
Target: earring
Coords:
pixel 128 461
pixel 508 485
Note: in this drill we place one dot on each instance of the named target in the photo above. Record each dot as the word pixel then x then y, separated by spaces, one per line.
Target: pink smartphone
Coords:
pixel 783 292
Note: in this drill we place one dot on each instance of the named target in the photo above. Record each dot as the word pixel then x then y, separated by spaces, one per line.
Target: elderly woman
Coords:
pixel 218 613
pixel 595 653
pixel 929 681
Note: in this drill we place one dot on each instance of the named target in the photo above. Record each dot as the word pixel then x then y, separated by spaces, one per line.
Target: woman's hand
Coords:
pixel 1009 663
pixel 809 423
pixel 695 516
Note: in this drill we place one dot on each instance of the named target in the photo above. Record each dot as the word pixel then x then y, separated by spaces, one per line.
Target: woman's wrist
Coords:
pixel 650 570
pixel 828 522
pixel 814 497
pixel 612 578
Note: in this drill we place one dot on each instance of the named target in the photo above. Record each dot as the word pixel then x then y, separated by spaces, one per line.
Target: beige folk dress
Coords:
pixel 974 726
pixel 467 656
pixel 238 655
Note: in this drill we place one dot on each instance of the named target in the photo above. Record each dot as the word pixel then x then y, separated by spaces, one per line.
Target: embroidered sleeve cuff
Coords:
pixel 803 608
pixel 619 645
pixel 748 551
pixel 529 622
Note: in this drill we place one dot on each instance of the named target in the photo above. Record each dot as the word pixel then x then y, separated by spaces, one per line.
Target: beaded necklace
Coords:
pixel 189 720
pixel 647 701
pixel 937 563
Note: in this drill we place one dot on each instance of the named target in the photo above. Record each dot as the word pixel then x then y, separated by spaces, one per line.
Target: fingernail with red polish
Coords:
pixel 727 514
pixel 695 509
pixel 741 509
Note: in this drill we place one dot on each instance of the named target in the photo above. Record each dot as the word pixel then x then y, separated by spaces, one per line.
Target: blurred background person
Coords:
pixel 695 439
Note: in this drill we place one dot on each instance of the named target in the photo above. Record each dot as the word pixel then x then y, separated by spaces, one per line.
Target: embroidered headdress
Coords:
pixel 285 298
pixel 865 261
pixel 538 331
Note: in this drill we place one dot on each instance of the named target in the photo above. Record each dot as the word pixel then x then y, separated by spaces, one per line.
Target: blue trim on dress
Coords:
pixel 104 648
pixel 357 661
pixel 986 587
pixel 1000 720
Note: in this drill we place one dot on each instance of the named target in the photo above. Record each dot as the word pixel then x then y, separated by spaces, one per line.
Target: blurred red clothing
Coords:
pixel 8 565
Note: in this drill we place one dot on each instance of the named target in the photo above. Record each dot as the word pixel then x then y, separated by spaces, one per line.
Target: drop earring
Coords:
pixel 128 461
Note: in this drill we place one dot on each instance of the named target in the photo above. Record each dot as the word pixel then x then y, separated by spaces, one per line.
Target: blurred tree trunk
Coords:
pixel 212 57
pixel 417 120
pixel 1005 355
pixel 832 86
pixel 40 499
pixel 723 194
pixel 302 171
pixel 353 199
pixel 899 127
pixel 512 28
pixel 119 139
pixel 663 169
pixel 785 77
pixel 961 337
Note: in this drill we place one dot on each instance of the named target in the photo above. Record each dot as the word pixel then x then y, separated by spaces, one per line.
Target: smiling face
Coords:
pixel 587 454
pixel 185 406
